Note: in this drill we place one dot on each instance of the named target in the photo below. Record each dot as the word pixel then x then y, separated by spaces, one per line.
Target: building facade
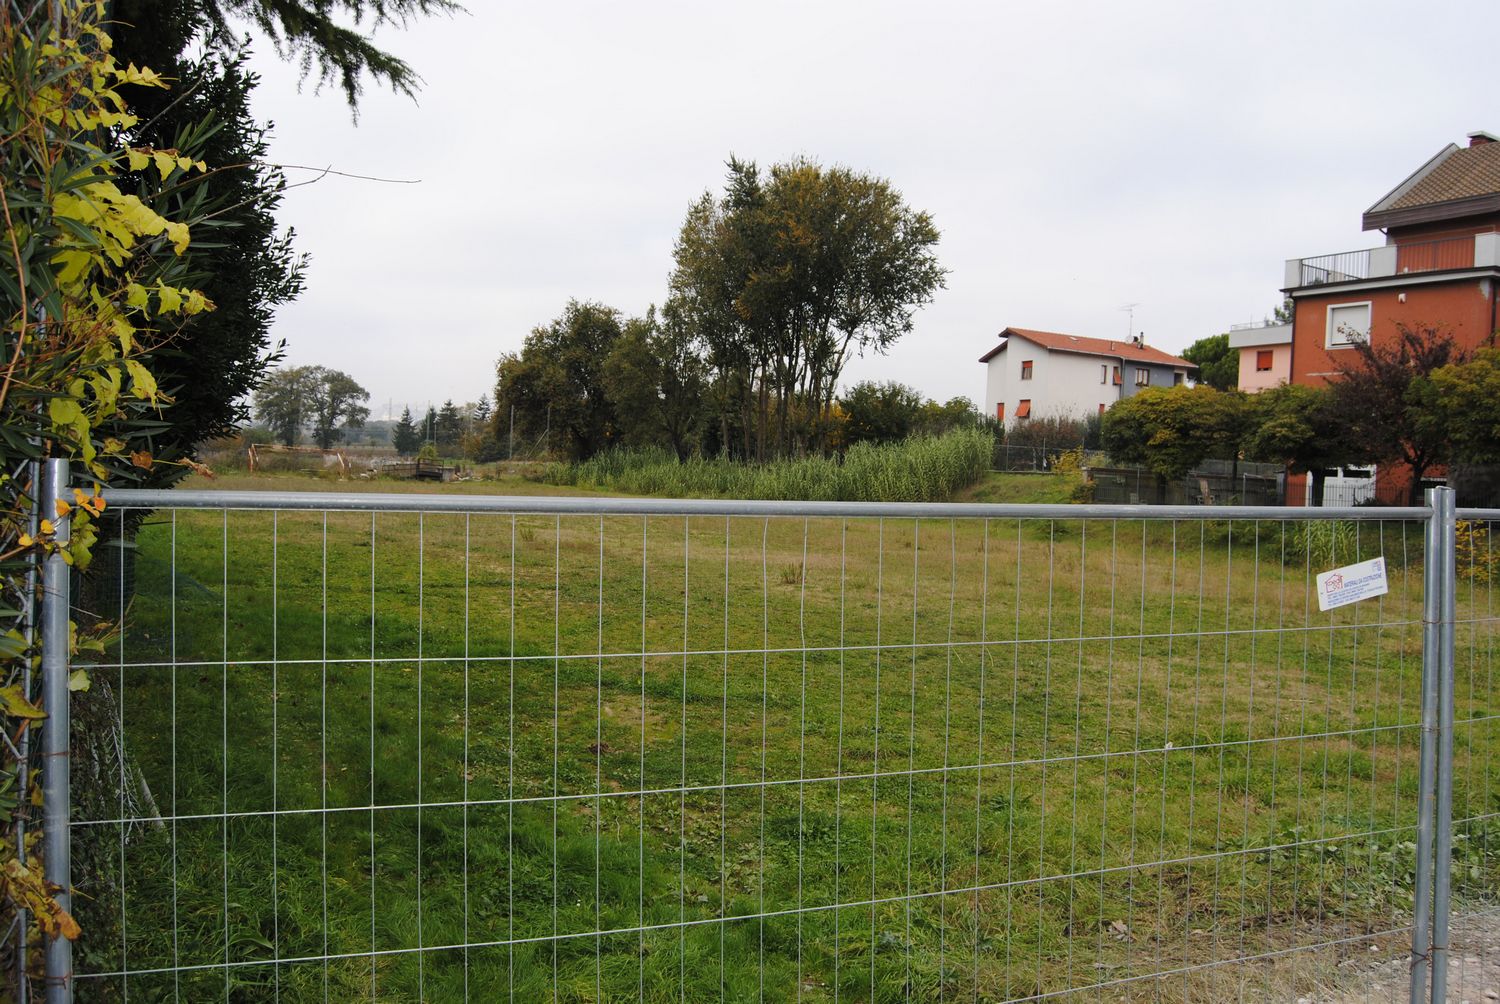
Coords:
pixel 1265 355
pixel 1046 374
pixel 1438 268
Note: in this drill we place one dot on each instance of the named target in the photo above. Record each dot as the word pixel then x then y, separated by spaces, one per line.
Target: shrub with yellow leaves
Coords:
pixel 86 273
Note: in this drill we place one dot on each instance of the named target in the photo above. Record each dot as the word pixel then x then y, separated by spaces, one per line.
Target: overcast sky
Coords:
pixel 1076 158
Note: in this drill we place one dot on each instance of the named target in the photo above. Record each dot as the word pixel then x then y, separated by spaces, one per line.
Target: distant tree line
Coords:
pixel 776 284
pixel 1418 401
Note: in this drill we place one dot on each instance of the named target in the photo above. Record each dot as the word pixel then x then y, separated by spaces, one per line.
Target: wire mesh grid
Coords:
pixel 1474 960
pixel 472 755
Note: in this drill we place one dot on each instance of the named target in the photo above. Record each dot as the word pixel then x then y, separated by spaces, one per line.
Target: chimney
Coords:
pixel 1479 138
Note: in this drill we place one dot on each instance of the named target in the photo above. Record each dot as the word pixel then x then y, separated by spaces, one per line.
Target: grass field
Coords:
pixel 858 760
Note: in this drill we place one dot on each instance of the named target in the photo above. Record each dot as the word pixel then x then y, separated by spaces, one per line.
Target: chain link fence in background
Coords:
pixel 370 747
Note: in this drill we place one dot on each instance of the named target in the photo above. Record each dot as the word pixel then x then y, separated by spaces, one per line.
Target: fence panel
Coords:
pixel 1474 957
pixel 460 748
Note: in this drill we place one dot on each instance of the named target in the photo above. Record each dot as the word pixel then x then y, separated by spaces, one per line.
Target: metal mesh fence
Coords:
pixel 1474 959
pixel 757 752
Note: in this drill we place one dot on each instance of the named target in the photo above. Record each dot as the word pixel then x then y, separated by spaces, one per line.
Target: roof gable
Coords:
pixel 1454 183
pixel 1055 341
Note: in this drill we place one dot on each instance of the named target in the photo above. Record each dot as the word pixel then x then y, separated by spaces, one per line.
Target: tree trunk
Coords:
pixel 1319 480
pixel 1414 490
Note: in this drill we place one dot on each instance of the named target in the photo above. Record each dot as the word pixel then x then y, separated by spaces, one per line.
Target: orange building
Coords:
pixel 1439 267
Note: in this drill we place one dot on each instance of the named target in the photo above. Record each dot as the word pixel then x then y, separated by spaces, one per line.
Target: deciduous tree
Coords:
pixel 1170 430
pixel 1383 398
pixel 1464 402
pixel 556 382
pixel 338 403
pixel 1299 427
pixel 791 273
pixel 656 382
pixel 322 400
pixel 282 402
pixel 880 412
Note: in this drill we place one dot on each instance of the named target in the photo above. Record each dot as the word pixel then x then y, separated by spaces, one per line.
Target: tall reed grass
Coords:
pixel 921 469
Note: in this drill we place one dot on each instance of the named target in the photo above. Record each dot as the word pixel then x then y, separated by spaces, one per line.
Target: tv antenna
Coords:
pixel 1129 309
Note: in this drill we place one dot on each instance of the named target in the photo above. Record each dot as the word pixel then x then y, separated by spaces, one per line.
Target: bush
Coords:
pixel 921 469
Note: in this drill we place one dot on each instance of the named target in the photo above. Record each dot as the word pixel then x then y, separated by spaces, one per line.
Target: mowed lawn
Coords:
pixel 768 759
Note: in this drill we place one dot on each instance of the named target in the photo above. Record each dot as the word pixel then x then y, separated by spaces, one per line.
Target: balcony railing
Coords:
pixel 1342 267
pixel 1395 259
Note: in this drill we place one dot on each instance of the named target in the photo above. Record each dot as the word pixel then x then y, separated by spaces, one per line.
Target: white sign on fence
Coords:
pixel 1351 584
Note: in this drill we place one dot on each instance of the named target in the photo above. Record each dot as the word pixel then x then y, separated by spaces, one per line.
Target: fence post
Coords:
pixel 1429 938
pixel 56 610
pixel 1446 515
pixel 1432 598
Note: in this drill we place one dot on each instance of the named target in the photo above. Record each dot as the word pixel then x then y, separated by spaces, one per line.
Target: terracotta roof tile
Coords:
pixel 1463 174
pixel 1059 342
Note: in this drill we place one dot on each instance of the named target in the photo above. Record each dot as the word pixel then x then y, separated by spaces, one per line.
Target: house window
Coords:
pixel 1142 376
pixel 1101 409
pixel 1348 323
pixel 1104 374
pixel 1117 376
pixel 1178 377
pixel 1000 412
pixel 1026 370
pixel 1263 360
pixel 1023 409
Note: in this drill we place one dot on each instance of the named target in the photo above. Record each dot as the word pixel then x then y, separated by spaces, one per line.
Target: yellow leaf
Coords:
pixel 64 411
pixel 63 508
pixel 142 383
pixel 164 163
pixel 136 295
pixel 26 540
pixel 169 298
pixel 47 528
pixel 138 159
pixel 78 681
pixel 15 704
pixel 178 232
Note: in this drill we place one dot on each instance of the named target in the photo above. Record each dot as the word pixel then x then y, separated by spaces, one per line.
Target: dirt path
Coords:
pixel 1473 970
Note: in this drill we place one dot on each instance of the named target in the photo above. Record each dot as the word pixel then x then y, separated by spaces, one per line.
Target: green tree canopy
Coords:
pixel 1170 430
pixel 791 273
pixel 657 383
pixel 282 402
pixel 1463 400
pixel 880 412
pixel 556 382
pixel 322 400
pixel 1299 427
pixel 1218 364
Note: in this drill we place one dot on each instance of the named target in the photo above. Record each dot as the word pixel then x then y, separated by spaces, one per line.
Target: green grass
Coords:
pixel 252 660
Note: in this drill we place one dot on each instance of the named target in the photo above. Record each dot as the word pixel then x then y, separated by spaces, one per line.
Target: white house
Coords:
pixel 1033 374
